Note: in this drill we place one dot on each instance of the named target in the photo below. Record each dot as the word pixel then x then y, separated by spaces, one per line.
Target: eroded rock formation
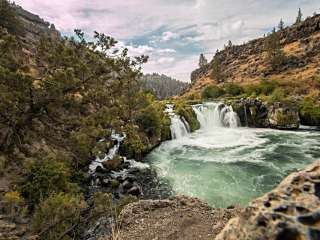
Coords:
pixel 290 212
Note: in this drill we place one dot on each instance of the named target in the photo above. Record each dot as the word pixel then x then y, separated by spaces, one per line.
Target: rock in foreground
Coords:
pixel 289 212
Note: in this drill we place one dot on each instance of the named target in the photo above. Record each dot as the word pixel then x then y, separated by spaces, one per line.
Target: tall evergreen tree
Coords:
pixel 299 17
pixel 202 60
pixel 8 18
pixel 275 55
pixel 281 25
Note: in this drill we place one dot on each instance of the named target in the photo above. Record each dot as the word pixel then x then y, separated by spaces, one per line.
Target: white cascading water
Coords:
pixel 179 126
pixel 212 115
pixel 224 164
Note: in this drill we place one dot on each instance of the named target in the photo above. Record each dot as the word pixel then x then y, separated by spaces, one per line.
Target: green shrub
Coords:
pixel 13 204
pixel 57 214
pixel 264 88
pixel 309 111
pixel 135 144
pixel 184 110
pixel 150 120
pixel 212 92
pixel 278 95
pixel 44 178
pixel 233 89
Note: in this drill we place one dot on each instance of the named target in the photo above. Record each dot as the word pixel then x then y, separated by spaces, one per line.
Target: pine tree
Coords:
pixel 230 44
pixel 275 55
pixel 299 17
pixel 202 60
pixel 281 25
pixel 9 19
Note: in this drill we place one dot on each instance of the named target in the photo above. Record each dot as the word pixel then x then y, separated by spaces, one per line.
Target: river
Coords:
pixel 224 164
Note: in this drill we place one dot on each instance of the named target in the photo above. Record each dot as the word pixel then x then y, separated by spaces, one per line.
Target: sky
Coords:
pixel 172 33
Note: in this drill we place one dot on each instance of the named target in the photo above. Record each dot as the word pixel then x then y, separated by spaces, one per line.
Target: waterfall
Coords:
pixel 179 126
pixel 213 115
pixel 108 156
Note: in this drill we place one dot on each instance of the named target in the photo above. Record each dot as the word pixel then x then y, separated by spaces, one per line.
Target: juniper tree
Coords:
pixel 299 17
pixel 8 18
pixel 281 25
pixel 275 55
pixel 202 60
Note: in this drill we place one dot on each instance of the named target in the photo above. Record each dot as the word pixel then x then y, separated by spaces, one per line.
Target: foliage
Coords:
pixel 185 110
pixel 281 25
pixel 278 95
pixel 202 61
pixel 135 145
pixel 212 92
pixel 233 89
pixel 55 215
pixel 275 55
pixel 150 120
pixel 163 86
pixel 263 88
pixel 8 18
pixel 309 109
pixel 44 178
pixel 299 17
pixel 13 203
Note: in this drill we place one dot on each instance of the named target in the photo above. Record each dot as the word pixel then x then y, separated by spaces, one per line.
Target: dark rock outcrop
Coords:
pixel 289 212
pixel 34 27
pixel 255 113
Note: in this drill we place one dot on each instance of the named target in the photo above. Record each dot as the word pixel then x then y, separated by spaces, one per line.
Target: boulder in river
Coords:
pixel 283 117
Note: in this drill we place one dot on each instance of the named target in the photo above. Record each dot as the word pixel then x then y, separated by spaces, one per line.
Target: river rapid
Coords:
pixel 224 164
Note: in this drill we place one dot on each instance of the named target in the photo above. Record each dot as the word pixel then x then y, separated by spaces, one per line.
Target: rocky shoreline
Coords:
pixel 256 113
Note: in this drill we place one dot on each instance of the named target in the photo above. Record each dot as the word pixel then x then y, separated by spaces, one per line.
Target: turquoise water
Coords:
pixel 228 166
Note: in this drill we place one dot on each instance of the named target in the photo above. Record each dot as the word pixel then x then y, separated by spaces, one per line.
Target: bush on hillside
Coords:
pixel 309 109
pixel 233 89
pixel 56 215
pixel 212 92
pixel 43 178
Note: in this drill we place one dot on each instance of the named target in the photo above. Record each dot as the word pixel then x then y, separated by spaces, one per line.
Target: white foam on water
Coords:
pixel 225 164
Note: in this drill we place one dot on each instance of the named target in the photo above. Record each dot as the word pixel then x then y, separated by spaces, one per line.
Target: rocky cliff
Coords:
pixel 34 27
pixel 247 63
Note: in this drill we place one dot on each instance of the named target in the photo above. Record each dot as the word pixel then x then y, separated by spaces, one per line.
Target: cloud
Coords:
pixel 166 36
pixel 172 32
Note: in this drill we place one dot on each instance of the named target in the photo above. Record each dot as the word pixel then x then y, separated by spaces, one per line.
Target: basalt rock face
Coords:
pixel 35 27
pixel 289 212
pixel 283 117
pixel 255 113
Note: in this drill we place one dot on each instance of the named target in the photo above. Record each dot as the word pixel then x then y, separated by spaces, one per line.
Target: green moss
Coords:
pixel 184 110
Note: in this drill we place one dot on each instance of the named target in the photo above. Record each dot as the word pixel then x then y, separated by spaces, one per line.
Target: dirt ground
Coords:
pixel 181 218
